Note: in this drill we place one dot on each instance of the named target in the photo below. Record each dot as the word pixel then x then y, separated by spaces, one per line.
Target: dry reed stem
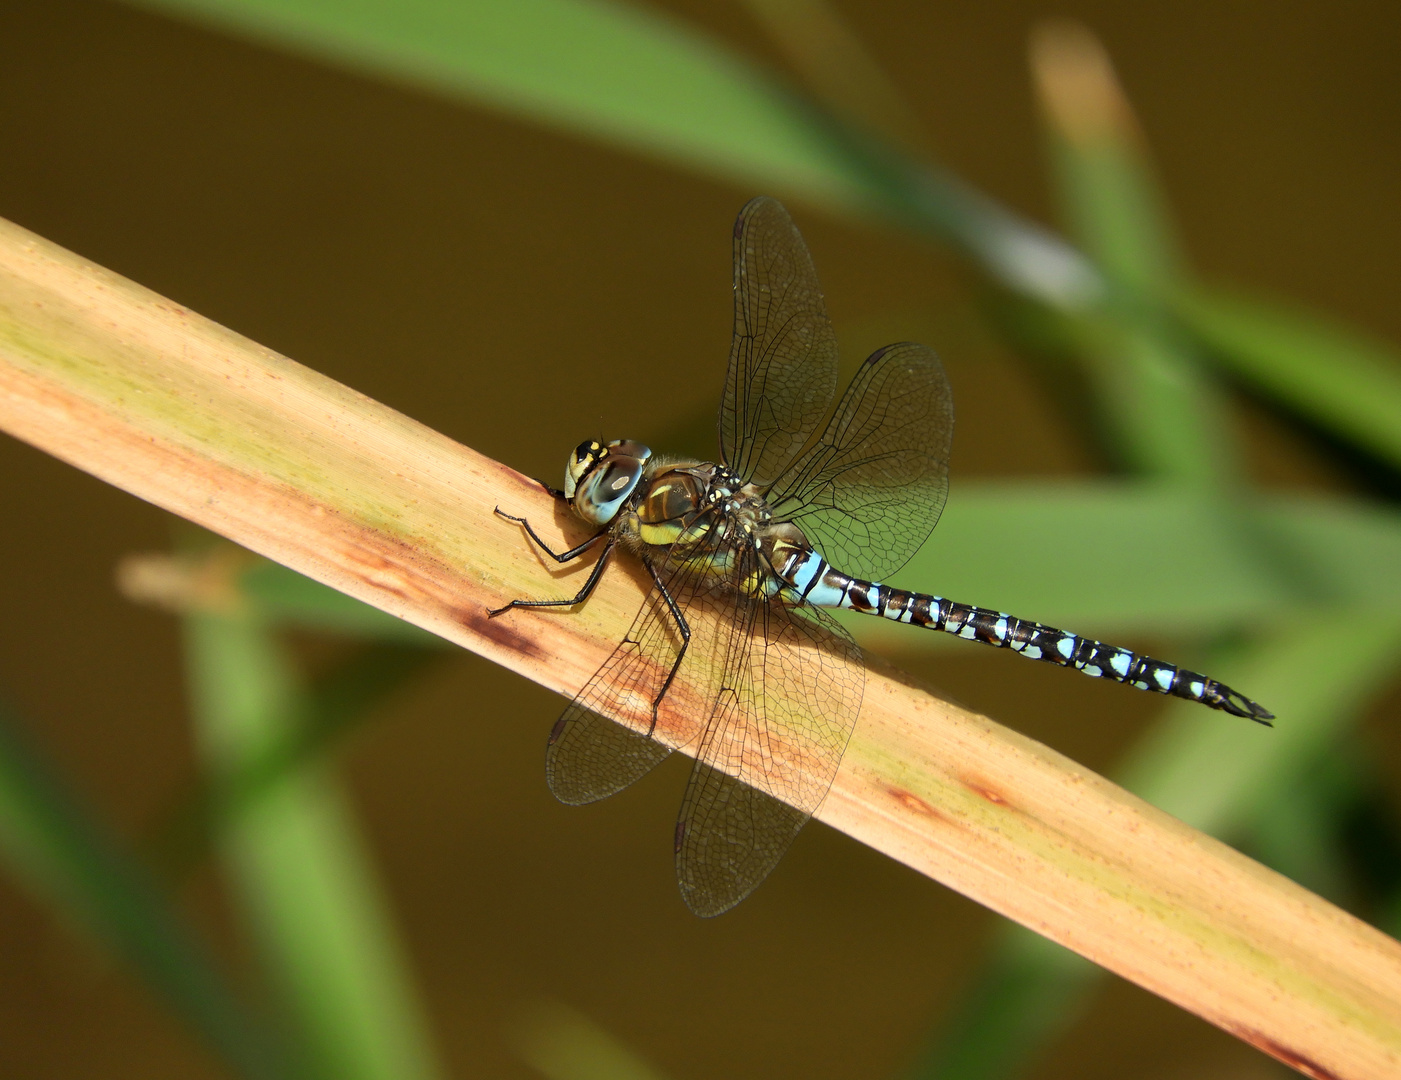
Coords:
pixel 196 419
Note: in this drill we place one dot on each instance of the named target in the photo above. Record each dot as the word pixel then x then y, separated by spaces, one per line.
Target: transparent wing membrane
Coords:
pixel 590 756
pixel 772 747
pixel 766 696
pixel 728 838
pixel 870 490
pixel 783 358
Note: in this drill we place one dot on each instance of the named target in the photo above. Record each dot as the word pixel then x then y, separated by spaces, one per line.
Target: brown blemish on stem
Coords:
pixel 910 801
pixel 986 791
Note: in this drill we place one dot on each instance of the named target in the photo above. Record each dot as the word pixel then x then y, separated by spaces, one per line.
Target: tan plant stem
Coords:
pixel 196 419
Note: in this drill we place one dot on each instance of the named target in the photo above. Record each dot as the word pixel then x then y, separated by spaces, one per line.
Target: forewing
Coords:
pixel 783 358
pixel 782 720
pixel 870 491
pixel 591 755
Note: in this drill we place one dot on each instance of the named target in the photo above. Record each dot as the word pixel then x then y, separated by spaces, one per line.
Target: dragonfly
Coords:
pixel 733 654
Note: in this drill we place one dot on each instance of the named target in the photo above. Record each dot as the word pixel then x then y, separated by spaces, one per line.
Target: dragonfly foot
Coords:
pixel 556 492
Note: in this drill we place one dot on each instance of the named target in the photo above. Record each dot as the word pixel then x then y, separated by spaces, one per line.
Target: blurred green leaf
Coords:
pixel 1296 826
pixel 563 1044
pixel 301 875
pixel 56 848
pixel 827 51
pixel 211 574
pixel 1335 377
pixel 336 703
pixel 1318 676
pixel 214 577
pixel 1027 991
pixel 617 72
pixel 1163 416
pixel 650 83
pixel 1370 830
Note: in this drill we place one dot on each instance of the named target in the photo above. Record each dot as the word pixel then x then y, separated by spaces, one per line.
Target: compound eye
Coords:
pixel 585 456
pixel 619 479
pixel 602 491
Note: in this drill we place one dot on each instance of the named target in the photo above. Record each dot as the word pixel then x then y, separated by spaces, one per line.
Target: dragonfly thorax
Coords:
pixel 686 501
pixel 599 479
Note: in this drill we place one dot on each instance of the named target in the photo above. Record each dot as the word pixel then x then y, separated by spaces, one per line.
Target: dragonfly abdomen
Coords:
pixel 824 586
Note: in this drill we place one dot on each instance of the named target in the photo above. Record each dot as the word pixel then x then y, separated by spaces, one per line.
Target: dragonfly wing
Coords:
pixel 783 358
pixel 590 756
pixel 871 489
pixel 599 744
pixel 728 839
pixel 786 708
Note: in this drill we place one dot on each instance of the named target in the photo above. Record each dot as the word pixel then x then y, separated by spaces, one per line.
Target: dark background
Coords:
pixel 520 290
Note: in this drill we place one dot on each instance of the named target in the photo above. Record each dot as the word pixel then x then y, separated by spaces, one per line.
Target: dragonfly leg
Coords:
pixel 556 492
pixel 564 557
pixel 583 594
pixel 683 626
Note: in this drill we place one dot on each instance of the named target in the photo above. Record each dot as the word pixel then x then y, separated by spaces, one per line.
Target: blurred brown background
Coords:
pixel 520 290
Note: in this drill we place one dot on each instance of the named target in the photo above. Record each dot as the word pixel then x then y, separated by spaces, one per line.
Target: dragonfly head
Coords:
pixel 598 478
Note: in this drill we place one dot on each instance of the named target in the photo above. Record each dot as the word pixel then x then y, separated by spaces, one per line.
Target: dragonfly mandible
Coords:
pixel 737 554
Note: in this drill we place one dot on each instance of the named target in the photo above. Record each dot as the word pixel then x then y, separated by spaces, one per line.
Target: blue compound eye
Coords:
pixel 603 490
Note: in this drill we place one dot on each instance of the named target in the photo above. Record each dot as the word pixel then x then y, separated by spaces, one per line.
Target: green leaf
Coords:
pixel 1028 990
pixel 632 77
pixel 1297 825
pixel 564 1044
pixel 301 875
pixel 619 73
pixel 335 705
pixel 62 854
pixel 1318 677
pixel 1164 416
pixel 1336 377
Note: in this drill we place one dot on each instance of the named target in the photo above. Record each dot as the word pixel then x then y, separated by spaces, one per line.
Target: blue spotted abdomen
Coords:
pixel 808 574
